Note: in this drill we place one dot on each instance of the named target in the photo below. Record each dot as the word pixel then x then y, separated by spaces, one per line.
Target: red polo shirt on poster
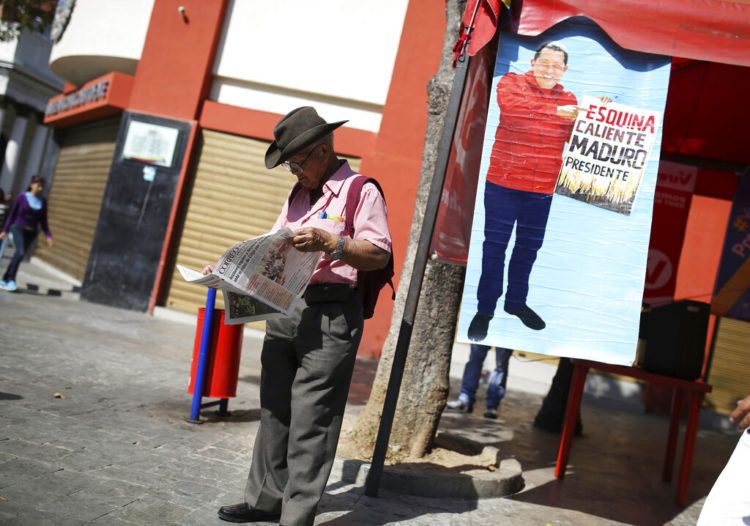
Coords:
pixel 530 137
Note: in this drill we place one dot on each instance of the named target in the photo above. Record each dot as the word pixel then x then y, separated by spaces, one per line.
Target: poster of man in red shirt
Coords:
pixel 537 116
pixel 561 272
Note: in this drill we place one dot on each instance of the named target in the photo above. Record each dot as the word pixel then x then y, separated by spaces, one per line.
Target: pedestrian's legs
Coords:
pixel 552 413
pixel 22 240
pixel 326 349
pixel 268 475
pixel 496 387
pixel 472 374
pixel 530 229
pixel 500 209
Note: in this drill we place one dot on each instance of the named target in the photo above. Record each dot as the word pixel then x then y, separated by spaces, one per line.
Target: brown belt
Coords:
pixel 326 292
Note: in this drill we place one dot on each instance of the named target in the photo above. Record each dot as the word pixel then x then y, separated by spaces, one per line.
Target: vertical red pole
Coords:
pixel 696 399
pixel 674 427
pixel 571 415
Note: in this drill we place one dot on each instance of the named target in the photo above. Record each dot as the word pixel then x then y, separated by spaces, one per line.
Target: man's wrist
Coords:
pixel 331 243
pixel 338 253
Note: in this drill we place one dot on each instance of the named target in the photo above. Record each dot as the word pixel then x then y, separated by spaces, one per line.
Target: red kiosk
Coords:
pixel 704 128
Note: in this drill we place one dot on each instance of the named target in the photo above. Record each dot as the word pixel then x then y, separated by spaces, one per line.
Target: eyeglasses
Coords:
pixel 298 167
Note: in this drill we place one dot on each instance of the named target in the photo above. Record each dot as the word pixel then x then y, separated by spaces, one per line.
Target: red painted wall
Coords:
pixel 701 251
pixel 260 125
pixel 397 158
pixel 174 72
pixel 173 79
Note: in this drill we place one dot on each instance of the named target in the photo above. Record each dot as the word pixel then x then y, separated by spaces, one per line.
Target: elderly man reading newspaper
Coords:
pixel 308 357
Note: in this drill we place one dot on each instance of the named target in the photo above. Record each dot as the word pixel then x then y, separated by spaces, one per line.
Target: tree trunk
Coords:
pixel 424 389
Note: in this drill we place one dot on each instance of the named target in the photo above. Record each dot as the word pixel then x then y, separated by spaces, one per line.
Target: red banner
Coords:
pixel 453 227
pixel 674 192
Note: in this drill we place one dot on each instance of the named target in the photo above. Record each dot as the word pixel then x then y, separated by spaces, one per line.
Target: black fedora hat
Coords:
pixel 296 130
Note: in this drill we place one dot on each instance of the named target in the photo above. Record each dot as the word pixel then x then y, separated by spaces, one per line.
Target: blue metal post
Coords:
pixel 200 370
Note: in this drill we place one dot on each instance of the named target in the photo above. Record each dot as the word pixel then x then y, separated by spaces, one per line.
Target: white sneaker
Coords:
pixel 9 285
pixel 460 406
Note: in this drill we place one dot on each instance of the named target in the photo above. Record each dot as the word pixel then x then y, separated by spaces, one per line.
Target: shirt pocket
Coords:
pixel 334 225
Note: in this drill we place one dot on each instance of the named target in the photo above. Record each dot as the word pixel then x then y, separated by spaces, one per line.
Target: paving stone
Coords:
pixel 19 515
pixel 19 470
pixel 147 510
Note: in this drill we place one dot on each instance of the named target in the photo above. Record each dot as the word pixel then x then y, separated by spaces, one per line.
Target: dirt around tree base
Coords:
pixel 451 454
pixel 455 468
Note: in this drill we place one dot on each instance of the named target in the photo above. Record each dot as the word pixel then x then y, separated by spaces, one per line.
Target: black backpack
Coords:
pixel 369 282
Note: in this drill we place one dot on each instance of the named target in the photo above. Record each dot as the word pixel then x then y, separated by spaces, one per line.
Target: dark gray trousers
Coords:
pixel 307 362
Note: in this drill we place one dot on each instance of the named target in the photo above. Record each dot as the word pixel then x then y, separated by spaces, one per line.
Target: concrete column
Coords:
pixel 36 155
pixel 13 154
pixel 3 113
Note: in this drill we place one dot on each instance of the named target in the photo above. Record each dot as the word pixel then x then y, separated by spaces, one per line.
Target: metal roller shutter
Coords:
pixel 730 367
pixel 234 197
pixel 76 192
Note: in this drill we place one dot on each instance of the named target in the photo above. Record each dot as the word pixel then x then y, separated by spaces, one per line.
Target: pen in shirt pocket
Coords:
pixel 331 217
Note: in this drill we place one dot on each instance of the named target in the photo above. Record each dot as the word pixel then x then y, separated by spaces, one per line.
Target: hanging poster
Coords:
pixel 559 241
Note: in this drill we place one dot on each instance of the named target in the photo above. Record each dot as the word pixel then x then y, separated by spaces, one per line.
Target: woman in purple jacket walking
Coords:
pixel 28 213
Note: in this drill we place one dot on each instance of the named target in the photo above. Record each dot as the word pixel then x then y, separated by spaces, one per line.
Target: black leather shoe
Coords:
pixel 478 326
pixel 527 316
pixel 244 513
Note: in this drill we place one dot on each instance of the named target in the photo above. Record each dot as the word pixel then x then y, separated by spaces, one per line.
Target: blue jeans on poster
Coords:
pixel 505 208
pixel 473 372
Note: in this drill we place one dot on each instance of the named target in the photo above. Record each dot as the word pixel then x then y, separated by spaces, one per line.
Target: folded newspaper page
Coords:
pixel 261 278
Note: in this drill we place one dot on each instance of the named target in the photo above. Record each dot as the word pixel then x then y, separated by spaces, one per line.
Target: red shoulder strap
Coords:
pixel 352 200
pixel 295 190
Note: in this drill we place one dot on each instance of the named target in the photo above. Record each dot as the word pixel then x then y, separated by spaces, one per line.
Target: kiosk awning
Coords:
pixel 710 30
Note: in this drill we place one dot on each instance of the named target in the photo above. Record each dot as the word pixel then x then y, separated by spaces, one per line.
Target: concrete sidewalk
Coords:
pixel 93 403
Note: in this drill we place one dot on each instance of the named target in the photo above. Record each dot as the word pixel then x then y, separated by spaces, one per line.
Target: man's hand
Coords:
pixel 3 235
pixel 207 270
pixel 310 239
pixel 569 111
pixel 49 242
pixel 741 415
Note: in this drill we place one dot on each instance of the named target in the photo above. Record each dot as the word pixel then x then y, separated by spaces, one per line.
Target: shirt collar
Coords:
pixel 336 181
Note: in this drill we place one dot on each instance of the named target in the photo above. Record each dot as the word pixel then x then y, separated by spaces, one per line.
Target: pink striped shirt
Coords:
pixel 370 221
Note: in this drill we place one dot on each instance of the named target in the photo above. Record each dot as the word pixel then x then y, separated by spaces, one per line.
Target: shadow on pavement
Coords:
pixel 388 508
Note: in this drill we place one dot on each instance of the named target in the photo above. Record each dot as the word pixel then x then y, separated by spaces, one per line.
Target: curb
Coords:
pixel 33 288
pixel 474 484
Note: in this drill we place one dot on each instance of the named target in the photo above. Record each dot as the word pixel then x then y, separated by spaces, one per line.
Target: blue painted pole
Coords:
pixel 200 371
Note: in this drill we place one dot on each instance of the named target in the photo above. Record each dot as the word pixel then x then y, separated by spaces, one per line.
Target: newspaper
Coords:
pixel 260 278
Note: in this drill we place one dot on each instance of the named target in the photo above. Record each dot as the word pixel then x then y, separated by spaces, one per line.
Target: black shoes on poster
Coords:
pixel 244 513
pixel 527 316
pixel 478 326
pixel 480 323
